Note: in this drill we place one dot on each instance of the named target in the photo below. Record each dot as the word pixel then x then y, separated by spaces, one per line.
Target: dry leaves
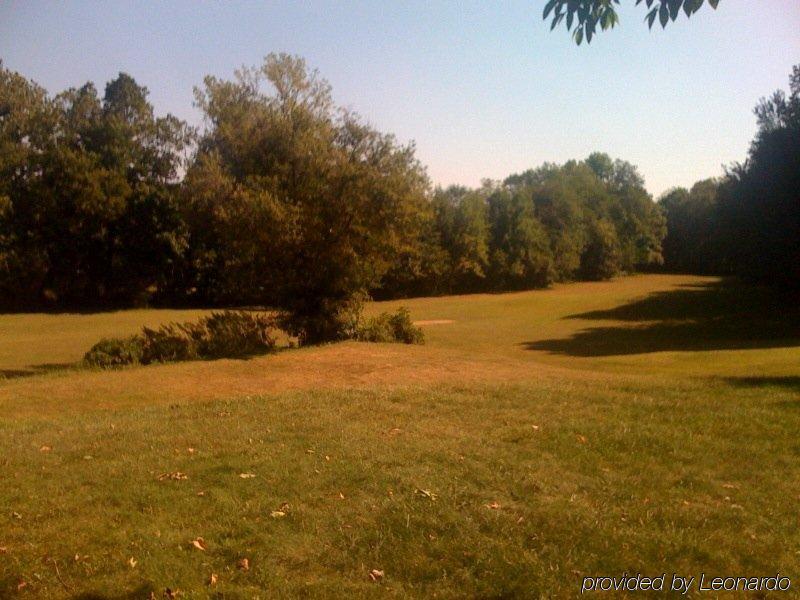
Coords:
pixel 494 505
pixel 174 476
pixel 45 449
pixel 376 575
pixel 21 584
pixel 3 550
pixel 213 579
pixel 132 562
pixel 426 494
pixel 16 515
pixel 247 475
pixel 243 564
pixel 199 543
pixel 581 438
pixel 277 514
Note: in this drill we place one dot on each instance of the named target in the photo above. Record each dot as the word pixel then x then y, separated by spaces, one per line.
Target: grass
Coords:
pixel 647 424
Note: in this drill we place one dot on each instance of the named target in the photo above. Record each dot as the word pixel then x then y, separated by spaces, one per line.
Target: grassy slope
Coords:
pixel 644 424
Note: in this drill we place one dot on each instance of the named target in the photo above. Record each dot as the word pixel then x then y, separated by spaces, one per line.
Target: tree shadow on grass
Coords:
pixel 726 315
pixel 140 593
pixel 789 382
pixel 32 370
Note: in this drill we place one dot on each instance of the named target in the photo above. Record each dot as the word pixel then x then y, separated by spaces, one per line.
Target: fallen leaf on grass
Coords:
pixel 426 494
pixel 191 450
pixel 213 579
pixel 581 438
pixel 247 475
pixel 535 427
pixel 277 514
pixel 171 594
pixel 45 449
pixel 395 431
pixel 88 457
pixel 729 486
pixel 201 493
pixel 21 584
pixel 16 515
pixel 199 543
pixel 376 575
pixel 494 505
pixel 243 564
pixel 174 476
pixel 132 562
pixel 341 496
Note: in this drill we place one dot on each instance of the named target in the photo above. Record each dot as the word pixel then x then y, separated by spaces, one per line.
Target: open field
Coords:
pixel 645 424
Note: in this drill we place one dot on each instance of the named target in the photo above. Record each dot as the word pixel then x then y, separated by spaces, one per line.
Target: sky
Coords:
pixel 484 89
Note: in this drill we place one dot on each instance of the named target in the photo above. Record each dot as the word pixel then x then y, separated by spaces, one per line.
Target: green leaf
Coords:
pixel 651 17
pixel 663 15
pixel 548 7
pixel 578 36
pixel 713 3
pixel 674 8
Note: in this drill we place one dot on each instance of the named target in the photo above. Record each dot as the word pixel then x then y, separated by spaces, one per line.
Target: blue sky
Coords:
pixel 483 88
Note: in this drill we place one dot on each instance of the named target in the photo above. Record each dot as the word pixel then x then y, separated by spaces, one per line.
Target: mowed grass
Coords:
pixel 646 424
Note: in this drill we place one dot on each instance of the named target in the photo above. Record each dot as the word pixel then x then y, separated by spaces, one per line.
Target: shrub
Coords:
pixel 227 334
pixel 113 352
pixel 388 327
pixel 235 333
pixel 169 343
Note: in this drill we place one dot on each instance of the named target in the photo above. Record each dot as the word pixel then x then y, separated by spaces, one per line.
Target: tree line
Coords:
pixel 284 199
pixel 746 223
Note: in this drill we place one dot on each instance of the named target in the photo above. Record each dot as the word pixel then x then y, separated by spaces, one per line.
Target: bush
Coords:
pixel 169 343
pixel 228 334
pixel 388 327
pixel 231 334
pixel 113 352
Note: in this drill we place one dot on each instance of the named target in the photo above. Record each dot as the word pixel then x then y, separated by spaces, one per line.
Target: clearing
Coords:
pixel 647 424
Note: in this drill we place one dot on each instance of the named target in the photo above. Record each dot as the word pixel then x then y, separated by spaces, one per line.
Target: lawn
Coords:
pixel 648 424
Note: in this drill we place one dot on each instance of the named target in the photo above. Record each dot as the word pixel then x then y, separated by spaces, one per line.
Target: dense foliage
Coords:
pixel 390 327
pixel 747 223
pixel 588 15
pixel 88 213
pixel 284 200
pixel 228 334
pixel 583 220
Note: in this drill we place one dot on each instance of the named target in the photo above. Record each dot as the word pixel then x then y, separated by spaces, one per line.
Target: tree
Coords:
pixel 336 198
pixel 692 221
pixel 748 223
pixel 759 206
pixel 582 17
pixel 89 216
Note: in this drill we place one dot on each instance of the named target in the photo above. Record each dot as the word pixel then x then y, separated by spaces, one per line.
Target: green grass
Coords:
pixel 647 424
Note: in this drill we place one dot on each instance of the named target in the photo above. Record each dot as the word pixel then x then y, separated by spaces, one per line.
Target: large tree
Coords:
pixel 88 211
pixel 304 202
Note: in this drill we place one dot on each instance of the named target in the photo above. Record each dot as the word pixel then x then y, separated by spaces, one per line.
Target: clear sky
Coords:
pixel 483 88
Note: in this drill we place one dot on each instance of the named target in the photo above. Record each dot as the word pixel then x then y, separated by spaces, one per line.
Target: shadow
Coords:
pixel 789 382
pixel 140 593
pixel 726 315
pixel 35 370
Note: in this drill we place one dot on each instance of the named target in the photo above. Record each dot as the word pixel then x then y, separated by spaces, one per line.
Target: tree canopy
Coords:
pixel 583 17
pixel 748 222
